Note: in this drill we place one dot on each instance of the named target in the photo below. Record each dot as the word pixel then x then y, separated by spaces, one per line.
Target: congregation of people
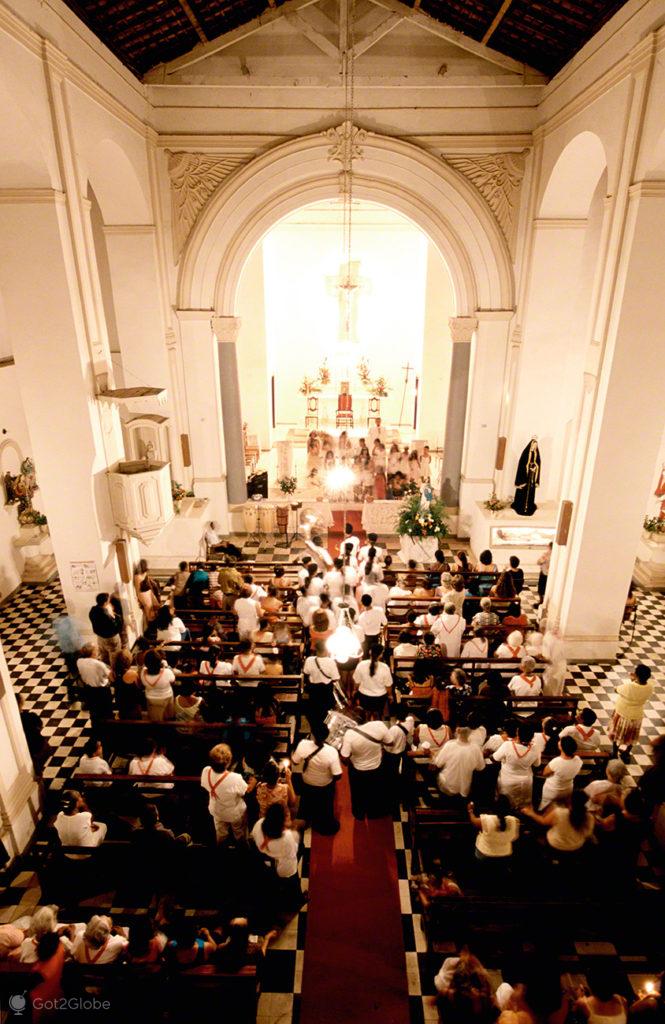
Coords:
pixel 409 716
pixel 383 469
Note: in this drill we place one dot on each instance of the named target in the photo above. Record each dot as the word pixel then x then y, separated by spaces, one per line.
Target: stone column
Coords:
pixel 588 586
pixel 200 368
pixel 488 365
pixel 226 329
pixel 461 333
pixel 19 793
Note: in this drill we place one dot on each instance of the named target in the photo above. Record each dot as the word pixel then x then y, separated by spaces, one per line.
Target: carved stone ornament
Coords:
pixel 194 177
pixel 346 142
pixel 498 178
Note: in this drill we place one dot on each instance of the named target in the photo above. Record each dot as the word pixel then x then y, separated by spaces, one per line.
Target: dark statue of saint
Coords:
pixel 527 479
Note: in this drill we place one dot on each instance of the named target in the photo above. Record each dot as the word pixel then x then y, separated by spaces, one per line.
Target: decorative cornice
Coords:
pixel 462 328
pixel 560 223
pixel 129 229
pixel 31 195
pixel 473 144
pixel 226 328
pixel 498 178
pixel 194 177
pixel 647 190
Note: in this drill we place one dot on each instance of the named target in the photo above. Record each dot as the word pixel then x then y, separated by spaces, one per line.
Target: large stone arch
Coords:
pixel 426 189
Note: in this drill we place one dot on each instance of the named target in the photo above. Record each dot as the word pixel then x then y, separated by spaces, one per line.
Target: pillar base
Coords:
pixel 591 648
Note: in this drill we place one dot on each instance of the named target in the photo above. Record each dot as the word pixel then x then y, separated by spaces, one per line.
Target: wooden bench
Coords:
pixel 148 991
pixel 475 668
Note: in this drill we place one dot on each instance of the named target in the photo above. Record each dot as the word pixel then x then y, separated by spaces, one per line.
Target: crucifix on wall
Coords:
pixel 348 285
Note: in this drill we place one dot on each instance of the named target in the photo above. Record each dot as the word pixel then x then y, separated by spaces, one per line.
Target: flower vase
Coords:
pixel 420 549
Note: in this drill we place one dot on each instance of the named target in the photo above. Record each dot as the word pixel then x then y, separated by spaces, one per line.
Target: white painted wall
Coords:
pixel 302 322
pixel 14 446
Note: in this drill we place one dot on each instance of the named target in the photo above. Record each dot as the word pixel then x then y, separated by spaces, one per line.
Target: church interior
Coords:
pixel 332 491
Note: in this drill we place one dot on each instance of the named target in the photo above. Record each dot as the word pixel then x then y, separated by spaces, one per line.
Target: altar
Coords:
pixel 505 533
pixel 361 407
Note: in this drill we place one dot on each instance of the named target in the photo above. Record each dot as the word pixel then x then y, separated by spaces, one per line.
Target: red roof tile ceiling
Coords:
pixel 542 33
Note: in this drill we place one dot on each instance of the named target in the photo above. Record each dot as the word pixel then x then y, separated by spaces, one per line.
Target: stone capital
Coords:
pixel 462 328
pixel 226 328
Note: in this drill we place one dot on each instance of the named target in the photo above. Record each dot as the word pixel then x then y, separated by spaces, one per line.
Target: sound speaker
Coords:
pixel 184 447
pixel 563 526
pixel 257 484
pixel 122 554
pixel 500 453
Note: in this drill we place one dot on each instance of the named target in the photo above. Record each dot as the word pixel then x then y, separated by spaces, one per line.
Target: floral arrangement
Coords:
pixel 31 517
pixel 309 385
pixel 652 524
pixel 494 504
pixel 287 484
pixel 376 386
pixel 418 520
pixel 178 492
pixel 324 374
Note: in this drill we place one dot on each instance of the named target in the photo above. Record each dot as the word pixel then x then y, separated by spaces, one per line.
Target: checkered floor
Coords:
pixel 38 672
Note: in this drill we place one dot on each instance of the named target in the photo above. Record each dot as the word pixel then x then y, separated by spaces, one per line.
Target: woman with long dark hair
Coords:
pixel 374 682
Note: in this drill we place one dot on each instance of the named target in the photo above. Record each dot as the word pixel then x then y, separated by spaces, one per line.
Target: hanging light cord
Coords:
pixel 349 100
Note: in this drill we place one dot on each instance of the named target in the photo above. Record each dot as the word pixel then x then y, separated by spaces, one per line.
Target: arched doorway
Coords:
pixel 398 175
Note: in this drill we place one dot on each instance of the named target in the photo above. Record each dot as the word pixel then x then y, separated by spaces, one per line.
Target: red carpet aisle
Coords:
pixel 354 966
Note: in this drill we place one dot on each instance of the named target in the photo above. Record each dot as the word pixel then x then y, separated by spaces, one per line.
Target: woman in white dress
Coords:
pixel 517 755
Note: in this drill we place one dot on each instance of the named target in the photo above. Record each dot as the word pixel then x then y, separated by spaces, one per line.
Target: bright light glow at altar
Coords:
pixel 344 644
pixel 339 479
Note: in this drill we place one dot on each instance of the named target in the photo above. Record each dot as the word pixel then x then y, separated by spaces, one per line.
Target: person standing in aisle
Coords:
pixel 321 768
pixel 362 748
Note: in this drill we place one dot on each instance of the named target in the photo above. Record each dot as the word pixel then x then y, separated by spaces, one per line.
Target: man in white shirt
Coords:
pixel 400 736
pixel 248 611
pixel 306 605
pixel 404 647
pixel 303 572
pixel 321 769
pixel 92 762
pixel 319 554
pixel 458 760
pixel 333 580
pixel 371 620
pixel 585 731
pixel 379 593
pixel 96 678
pixel 320 671
pixel 314 582
pixel 256 591
pixel 349 538
pixel 450 631
pixel 362 747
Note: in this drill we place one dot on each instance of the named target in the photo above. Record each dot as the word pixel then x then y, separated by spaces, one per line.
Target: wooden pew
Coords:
pixel 475 668
pixel 120 736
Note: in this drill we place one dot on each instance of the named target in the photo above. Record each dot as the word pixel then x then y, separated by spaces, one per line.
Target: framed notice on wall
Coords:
pixel 84 576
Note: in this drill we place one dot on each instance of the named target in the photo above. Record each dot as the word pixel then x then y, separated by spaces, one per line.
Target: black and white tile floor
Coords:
pixel 38 672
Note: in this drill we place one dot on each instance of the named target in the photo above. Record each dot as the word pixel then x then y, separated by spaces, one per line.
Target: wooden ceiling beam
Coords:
pixel 203 50
pixel 365 43
pixel 321 42
pixel 451 35
pixel 193 20
pixel 496 21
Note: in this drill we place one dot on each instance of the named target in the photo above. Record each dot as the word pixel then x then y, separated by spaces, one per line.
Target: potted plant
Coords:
pixel 287 484
pixel 178 492
pixel 654 530
pixel 421 526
